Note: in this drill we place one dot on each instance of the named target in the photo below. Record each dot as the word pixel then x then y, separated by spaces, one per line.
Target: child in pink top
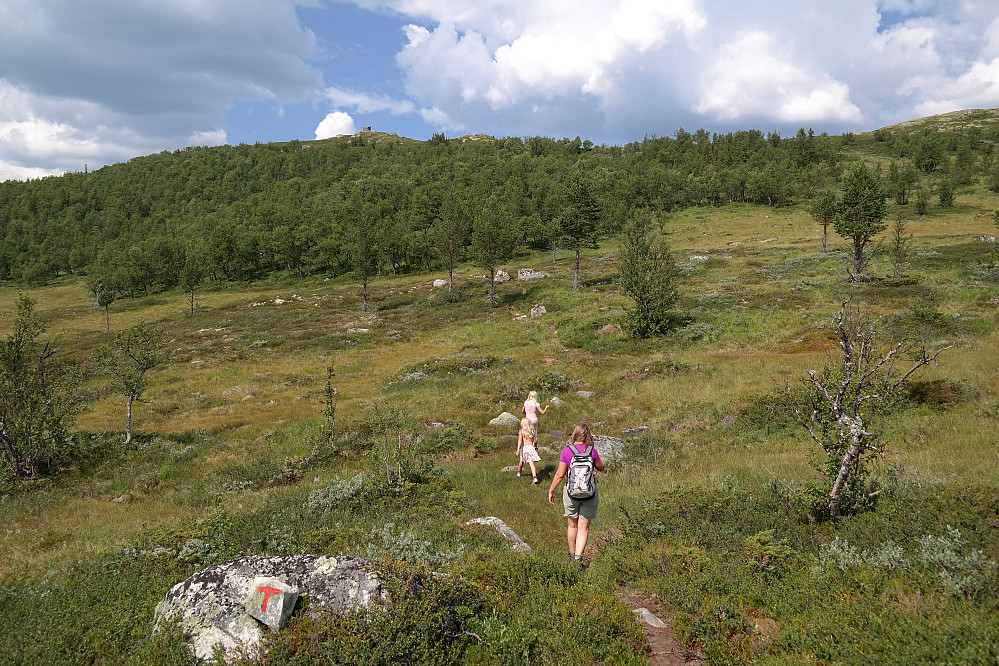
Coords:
pixel 526 449
pixel 531 409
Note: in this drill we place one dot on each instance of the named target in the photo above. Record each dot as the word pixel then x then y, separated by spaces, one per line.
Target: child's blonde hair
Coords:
pixel 527 426
pixel 533 395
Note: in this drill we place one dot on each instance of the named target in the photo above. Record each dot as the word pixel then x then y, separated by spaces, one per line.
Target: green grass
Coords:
pixel 230 451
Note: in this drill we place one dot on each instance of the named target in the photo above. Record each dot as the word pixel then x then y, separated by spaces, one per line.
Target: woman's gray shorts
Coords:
pixel 577 508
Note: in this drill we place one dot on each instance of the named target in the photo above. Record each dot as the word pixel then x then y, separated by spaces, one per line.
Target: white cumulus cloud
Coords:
pixel 751 77
pixel 337 123
pixel 540 65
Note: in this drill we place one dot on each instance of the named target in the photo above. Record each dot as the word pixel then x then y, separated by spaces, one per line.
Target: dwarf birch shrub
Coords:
pixel 842 555
pixel 39 399
pixel 961 575
pixel 324 500
pixel 400 544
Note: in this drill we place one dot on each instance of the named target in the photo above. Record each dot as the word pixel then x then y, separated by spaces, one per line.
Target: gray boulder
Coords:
pixel 440 283
pixel 538 311
pixel 645 616
pixel 609 448
pixel 213 606
pixel 517 544
pixel 505 419
pixel 529 274
pixel 501 276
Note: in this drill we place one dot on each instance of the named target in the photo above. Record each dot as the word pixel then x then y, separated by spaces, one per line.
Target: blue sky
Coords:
pixel 93 82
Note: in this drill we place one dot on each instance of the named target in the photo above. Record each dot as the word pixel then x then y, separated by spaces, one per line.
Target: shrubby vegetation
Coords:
pixel 693 547
pixel 39 396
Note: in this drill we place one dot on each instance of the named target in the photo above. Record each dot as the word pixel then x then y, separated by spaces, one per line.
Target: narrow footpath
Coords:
pixel 660 642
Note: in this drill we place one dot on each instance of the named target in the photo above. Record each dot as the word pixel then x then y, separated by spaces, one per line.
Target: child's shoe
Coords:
pixel 518 473
pixel 535 481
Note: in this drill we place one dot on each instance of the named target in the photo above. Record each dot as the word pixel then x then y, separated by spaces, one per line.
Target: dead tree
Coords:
pixel 330 394
pixel 869 378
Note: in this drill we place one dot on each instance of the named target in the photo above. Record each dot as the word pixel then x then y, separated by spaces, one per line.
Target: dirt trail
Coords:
pixel 660 641
pixel 661 644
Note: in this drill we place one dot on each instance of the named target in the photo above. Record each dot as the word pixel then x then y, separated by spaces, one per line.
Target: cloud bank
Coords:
pixel 623 68
pixel 106 80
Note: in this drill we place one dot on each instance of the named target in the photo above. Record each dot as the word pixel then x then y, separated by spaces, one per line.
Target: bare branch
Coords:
pixel 822 389
pixel 925 360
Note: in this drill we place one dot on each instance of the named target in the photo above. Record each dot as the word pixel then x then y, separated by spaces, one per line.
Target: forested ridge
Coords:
pixel 377 203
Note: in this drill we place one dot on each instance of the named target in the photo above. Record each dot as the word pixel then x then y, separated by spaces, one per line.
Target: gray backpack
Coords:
pixel 579 480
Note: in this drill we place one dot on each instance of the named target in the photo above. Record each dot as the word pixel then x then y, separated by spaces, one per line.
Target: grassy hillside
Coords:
pixel 708 510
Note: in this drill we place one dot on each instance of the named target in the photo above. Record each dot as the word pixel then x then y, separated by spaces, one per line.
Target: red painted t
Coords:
pixel 268 591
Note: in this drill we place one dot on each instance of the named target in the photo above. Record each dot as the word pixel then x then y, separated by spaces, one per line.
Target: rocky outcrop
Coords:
pixel 232 604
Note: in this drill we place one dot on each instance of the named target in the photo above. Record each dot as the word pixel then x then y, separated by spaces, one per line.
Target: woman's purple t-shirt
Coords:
pixel 567 453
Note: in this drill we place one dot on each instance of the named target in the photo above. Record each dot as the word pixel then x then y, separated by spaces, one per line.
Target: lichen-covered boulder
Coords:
pixel 609 448
pixel 517 544
pixel 506 419
pixel 529 274
pixel 212 605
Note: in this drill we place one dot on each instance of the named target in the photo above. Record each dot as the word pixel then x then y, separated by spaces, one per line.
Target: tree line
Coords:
pixel 373 203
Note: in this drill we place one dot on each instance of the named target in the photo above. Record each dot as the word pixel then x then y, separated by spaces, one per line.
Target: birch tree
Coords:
pixel 860 216
pixel 494 237
pixel 39 399
pixel 127 359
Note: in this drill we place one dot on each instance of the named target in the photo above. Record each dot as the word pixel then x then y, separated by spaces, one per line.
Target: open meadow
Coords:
pixel 709 511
